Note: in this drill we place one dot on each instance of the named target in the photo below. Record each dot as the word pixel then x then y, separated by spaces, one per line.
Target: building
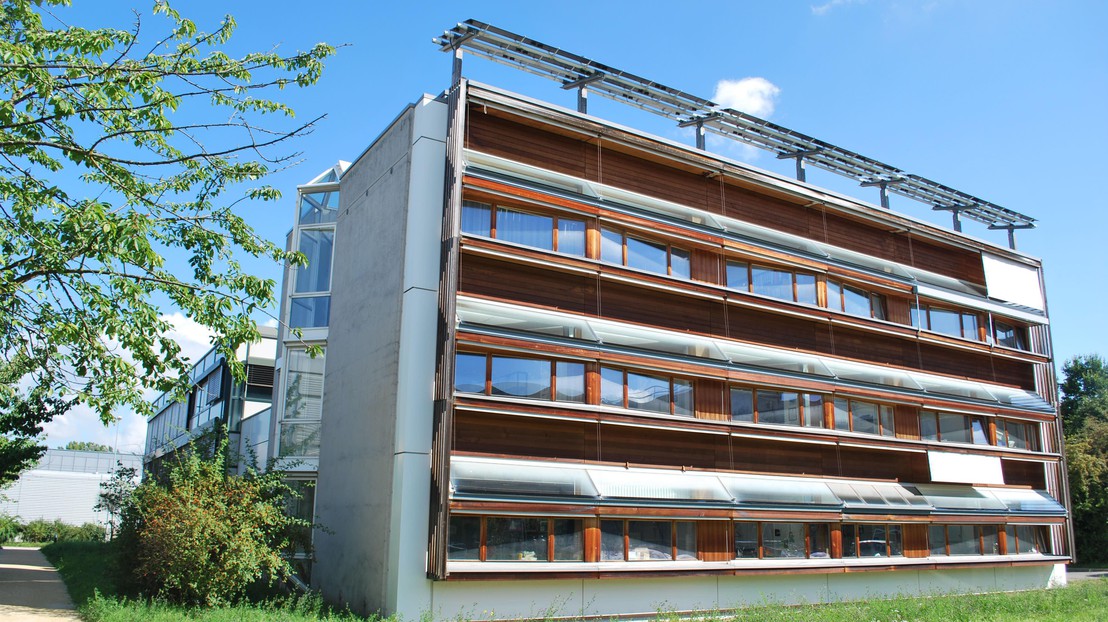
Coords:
pixel 64 485
pixel 573 369
pixel 218 399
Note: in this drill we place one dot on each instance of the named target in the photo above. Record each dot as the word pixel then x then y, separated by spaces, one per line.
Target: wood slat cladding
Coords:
pixel 713 541
pixel 614 165
pixel 758 326
pixel 902 466
pixel 664 447
pixel 899 310
pixel 915 541
pixel 707 267
pixel 521 437
pixel 711 399
pixel 907 422
pixel 1024 473
pixel 621 301
pixel 488 276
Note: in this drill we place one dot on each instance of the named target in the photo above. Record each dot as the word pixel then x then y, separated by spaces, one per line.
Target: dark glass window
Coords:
pixel 571 381
pixel 524 228
pixel 1011 336
pixel 569 540
pixel 742 405
pixel 519 377
pixel 464 541
pixel 738 275
pixel 783 540
pixel 746 540
pixel 477 218
pixel 515 539
pixel 649 540
pixel 611 540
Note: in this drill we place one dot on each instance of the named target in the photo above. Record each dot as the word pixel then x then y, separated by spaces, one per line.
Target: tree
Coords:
pixel 115 494
pixel 118 151
pixel 86 446
pixel 1085 422
pixel 204 536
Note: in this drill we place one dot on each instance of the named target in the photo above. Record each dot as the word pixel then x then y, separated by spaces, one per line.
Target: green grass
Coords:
pixel 24 545
pixel 91 584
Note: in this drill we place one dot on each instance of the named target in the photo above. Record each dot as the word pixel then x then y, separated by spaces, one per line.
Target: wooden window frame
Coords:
pixel 1021 330
pixel 672 537
pixel 875 300
pixel 802 405
pixel 1032 433
pixel 923 312
pixel 487 392
pixel 555 218
pixel 880 420
pixel 672 393
pixel 990 431
pixel 669 248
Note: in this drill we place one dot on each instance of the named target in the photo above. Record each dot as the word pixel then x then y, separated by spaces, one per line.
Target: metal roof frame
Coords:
pixel 574 71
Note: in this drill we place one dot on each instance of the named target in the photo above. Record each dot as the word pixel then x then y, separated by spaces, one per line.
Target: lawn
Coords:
pixel 93 588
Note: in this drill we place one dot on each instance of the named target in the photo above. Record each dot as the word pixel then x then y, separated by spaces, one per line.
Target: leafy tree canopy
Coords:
pixel 1085 422
pixel 86 446
pixel 1084 391
pixel 117 150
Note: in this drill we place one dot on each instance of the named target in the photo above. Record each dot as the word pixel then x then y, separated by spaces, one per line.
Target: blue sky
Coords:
pixel 1005 100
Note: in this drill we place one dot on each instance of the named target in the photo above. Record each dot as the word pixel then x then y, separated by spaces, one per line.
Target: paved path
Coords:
pixel 31 590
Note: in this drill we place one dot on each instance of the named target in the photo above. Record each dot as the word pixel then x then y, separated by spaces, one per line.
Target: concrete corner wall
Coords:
pixel 374 466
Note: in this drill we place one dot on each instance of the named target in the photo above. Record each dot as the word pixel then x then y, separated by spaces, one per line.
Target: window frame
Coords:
pixel 674 530
pixel 803 403
pixel 1032 434
pixel 878 306
pixel 920 311
pixel 552 387
pixel 938 415
pixel 750 267
pixel 882 429
pixel 672 382
pixel 669 250
pixel 1021 335
pixel 555 217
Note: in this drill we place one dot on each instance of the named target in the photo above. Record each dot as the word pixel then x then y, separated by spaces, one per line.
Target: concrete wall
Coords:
pixel 493 600
pixel 374 466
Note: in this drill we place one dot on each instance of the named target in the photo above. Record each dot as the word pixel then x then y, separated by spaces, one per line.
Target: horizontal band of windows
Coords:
pixel 599 195
pixel 474 312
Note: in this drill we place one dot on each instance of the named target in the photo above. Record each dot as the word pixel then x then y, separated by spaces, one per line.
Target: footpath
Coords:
pixel 31 590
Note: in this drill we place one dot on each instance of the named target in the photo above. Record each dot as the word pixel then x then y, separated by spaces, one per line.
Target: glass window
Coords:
pixel 850 541
pixel 316 245
pixel 571 237
pixel 877 305
pixel 469 372
pixel 520 377
pixel 686 541
pixel 679 263
pixel 477 218
pixel 611 246
pixel 872 541
pixel 945 321
pixel 611 540
pixel 464 541
pixel 648 392
pixel 611 386
pixel 571 381
pixel 928 426
pixel 303 385
pixel 746 540
pixel 813 410
pixel 682 398
pixel 978 430
pixel 309 312
pixel 649 540
pixel 936 537
pixel 783 540
pixel 963 540
pixel 772 282
pixel 319 207
pixel 864 417
pixel 778 407
pixel 1024 539
pixel 855 301
pixel 834 295
pixel 819 539
pixel 969 326
pixel 515 539
pixel 299 439
pixel 1011 336
pixel 989 540
pixel 569 541
pixel 742 405
pixel 806 288
pixel 953 428
pixel 738 275
pixel 888 424
pixel 522 228
pixel 896 541
pixel 649 256
pixel 842 414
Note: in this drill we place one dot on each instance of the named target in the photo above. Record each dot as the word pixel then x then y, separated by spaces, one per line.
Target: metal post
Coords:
pixel 583 99
pixel 1012 238
pixel 884 188
pixel 800 176
pixel 456 77
pixel 957 220
pixel 700 134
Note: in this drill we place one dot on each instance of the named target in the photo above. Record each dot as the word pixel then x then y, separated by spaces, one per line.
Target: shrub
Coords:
pixel 42 530
pixel 10 529
pixel 39 530
pixel 204 536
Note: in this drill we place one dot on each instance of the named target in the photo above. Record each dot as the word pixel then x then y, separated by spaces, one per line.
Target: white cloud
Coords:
pixel 826 7
pixel 756 96
pixel 195 339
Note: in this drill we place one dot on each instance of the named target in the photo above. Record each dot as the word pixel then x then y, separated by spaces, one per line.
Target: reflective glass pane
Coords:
pixel 917 316
pixel 755 491
pixel 611 386
pixel 1010 537
pixel 819 540
pixel 319 207
pixel 771 282
pixel 954 428
pixel 300 439
pixel 611 246
pixel 779 407
pixel 963 540
pixel 856 301
pixel 969 326
pixel 978 430
pixel 316 245
pixel 1011 336
pixel 523 228
pixel 686 541
pixel 945 321
pixel 928 426
pixel 877 306
pixel 888 427
pixel 865 417
pixel 679 264
pixel 989 540
pixel 571 381
pixel 813 410
pixel 571 237
pixel 310 312
pixel 834 295
pixel 569 540
pixel 746 540
pixel 682 398
pixel 515 539
pixel 469 372
pixel 648 392
pixel 649 256
pixel 649 540
pixel 477 218
pixel 303 385
pixel 896 541
pixel 842 414
pixel 783 540
pixel 519 377
pixel 658 485
pixel 738 276
pixel 742 405
pixel 611 540
pixel 806 288
pixel 850 541
pixel 936 537
pixel 872 540
pixel 464 541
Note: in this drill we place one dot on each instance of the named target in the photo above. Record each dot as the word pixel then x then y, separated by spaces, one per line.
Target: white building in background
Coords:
pixel 64 485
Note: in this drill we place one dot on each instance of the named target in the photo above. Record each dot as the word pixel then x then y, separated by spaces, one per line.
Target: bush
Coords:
pixel 39 530
pixel 203 537
pixel 42 530
pixel 10 529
